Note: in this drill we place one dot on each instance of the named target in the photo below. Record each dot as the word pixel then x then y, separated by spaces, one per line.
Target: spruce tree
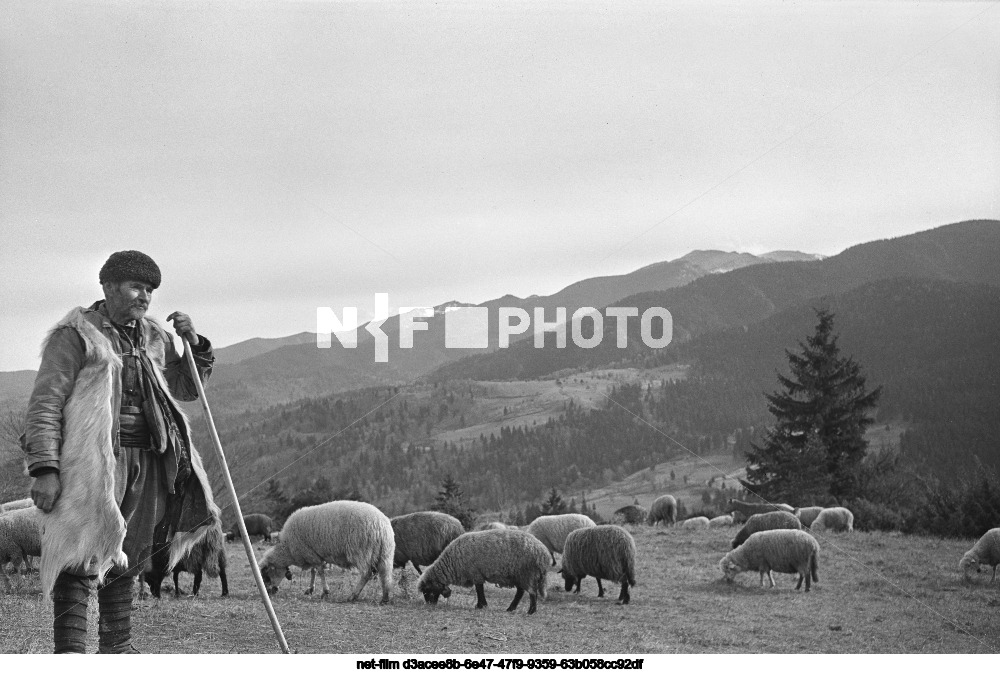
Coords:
pixel 451 500
pixel 554 503
pixel 817 443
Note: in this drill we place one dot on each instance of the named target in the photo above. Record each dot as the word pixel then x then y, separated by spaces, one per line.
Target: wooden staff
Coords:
pixel 232 493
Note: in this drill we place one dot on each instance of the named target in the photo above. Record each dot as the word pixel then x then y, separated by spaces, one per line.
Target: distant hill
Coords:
pixel 963 252
pixel 244 350
pixel 261 372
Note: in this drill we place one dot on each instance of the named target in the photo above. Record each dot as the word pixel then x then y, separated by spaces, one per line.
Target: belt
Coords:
pixel 131 410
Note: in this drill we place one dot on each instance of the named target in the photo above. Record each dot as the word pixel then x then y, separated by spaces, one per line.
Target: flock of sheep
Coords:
pixel 357 535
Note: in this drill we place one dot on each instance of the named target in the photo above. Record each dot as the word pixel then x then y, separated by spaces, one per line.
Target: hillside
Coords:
pixel 963 252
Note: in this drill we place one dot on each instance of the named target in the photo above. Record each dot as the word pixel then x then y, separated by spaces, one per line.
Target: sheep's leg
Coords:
pixel 312 582
pixel 762 572
pixel 481 596
pixel 366 575
pixel 994 574
pixel 385 579
pixel 770 578
pixel 6 581
pixel 177 588
pixel 197 582
pixel 798 584
pixel 600 588
pixel 533 604
pixel 623 595
pixel 326 587
pixel 517 599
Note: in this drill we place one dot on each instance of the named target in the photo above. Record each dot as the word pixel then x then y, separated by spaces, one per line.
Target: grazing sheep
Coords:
pixel 695 523
pixel 606 552
pixel 807 515
pixel 663 509
pixel 766 521
pixel 345 533
pixel 630 514
pixel 491 525
pixel 720 521
pixel 748 509
pixel 551 530
pixel 422 536
pixel 208 556
pixel 508 558
pixel 20 537
pixel 257 524
pixel 985 552
pixel 783 551
pixel 834 519
pixel 13 505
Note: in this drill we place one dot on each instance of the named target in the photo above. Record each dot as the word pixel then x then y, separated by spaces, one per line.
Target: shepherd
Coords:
pixel 109 447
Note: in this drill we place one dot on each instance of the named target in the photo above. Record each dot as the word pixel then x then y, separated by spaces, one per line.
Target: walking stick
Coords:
pixel 236 502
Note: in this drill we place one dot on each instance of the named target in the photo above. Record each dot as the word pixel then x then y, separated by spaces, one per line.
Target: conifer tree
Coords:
pixel 817 443
pixel 554 503
pixel 451 500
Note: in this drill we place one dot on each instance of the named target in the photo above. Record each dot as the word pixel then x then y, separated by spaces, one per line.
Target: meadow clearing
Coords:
pixel 878 593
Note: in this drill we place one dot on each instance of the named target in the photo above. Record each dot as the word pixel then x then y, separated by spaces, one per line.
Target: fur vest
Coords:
pixel 85 530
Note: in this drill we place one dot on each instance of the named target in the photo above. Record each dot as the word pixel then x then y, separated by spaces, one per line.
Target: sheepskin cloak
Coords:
pixel 85 530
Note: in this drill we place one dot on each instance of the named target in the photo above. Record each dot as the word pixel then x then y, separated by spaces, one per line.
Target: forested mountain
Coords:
pixel 959 252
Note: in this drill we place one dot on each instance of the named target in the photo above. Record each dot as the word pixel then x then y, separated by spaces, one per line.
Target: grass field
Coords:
pixel 878 593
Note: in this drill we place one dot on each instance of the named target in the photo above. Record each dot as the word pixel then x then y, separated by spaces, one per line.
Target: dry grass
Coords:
pixel 878 593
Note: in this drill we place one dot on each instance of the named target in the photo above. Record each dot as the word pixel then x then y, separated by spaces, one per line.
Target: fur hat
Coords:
pixel 130 265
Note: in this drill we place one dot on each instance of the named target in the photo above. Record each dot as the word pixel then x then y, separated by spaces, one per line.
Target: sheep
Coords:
pixel 720 521
pixel 492 525
pixel 807 515
pixel 631 514
pixel 551 530
pixel 748 509
pixel 695 523
pixel 663 509
pixel 606 552
pixel 508 558
pixel 256 524
pixel 422 536
pixel 13 505
pixel 207 556
pixel 784 551
pixel 20 537
pixel 345 533
pixel 835 519
pixel 985 551
pixel 766 521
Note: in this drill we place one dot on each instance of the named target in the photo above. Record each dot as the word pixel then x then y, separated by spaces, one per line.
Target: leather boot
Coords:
pixel 114 599
pixel 70 596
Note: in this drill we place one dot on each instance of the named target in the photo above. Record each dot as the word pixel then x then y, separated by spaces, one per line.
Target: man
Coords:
pixel 110 452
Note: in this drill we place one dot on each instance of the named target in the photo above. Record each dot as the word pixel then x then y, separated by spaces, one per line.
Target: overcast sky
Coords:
pixel 273 157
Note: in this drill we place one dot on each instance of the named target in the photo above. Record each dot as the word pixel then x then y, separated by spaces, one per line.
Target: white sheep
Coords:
pixel 20 537
pixel 766 521
pixel 985 552
pixel 13 505
pixel 606 552
pixel 695 523
pixel 720 521
pixel 345 533
pixel 551 530
pixel 630 514
pixel 663 509
pixel 807 515
pixel 783 551
pixel 834 519
pixel 422 536
pixel 742 511
pixel 492 525
pixel 508 558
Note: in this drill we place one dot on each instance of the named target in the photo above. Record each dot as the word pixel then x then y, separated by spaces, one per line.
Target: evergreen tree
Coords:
pixel 817 443
pixel 554 503
pixel 451 500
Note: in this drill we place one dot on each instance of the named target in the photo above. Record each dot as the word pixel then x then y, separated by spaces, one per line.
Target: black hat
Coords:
pixel 130 265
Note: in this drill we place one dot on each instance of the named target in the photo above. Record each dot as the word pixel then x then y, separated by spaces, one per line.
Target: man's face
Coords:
pixel 128 300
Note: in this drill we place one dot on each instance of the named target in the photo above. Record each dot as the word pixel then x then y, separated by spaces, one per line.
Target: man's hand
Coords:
pixel 46 490
pixel 183 326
